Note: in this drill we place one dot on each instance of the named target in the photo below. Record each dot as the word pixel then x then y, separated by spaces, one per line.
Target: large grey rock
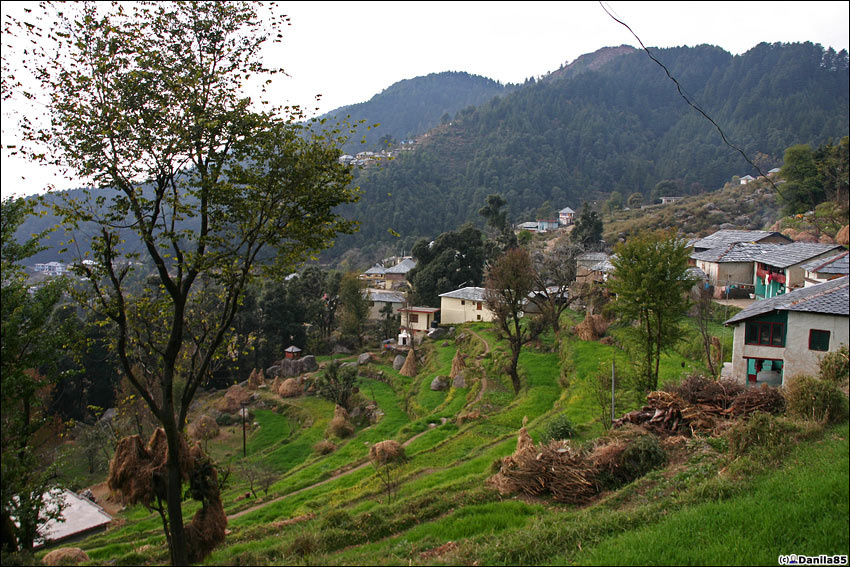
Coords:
pixel 459 381
pixel 339 349
pixel 440 383
pixel 437 333
pixel 398 362
pixel 309 364
pixel 289 368
pixel 364 358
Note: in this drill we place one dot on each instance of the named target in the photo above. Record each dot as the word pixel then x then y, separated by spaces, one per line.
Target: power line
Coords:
pixel 688 100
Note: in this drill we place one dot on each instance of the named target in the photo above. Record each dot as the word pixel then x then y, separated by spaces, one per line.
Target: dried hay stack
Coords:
pixel 593 327
pixel 843 236
pixel 409 368
pixel 207 528
pixel 254 380
pixel 276 384
pixel 340 425
pixel 65 556
pixel 204 428
pixel 458 364
pixel 386 453
pixel 290 388
pixel 233 399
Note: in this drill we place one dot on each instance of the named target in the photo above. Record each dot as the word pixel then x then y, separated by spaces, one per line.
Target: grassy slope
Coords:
pixel 442 495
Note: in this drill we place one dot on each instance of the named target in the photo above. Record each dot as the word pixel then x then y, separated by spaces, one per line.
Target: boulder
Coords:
pixel 398 362
pixel 459 380
pixel 364 358
pixel 436 333
pixel 340 349
pixel 440 383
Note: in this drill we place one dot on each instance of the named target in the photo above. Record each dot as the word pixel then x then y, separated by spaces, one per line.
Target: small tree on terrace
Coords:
pixel 509 283
pixel 651 285
pixel 554 273
pixel 145 100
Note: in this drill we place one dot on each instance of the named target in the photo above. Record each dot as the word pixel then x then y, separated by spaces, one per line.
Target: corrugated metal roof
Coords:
pixel 837 264
pixel 469 293
pixel 830 298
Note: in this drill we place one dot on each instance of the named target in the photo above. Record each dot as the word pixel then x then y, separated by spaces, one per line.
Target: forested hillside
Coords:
pixel 614 124
pixel 411 107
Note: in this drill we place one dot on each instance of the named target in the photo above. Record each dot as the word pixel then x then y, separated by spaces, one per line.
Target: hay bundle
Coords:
pixel 593 327
pixel 65 556
pixel 253 381
pixel 386 453
pixel 826 239
pixel 764 399
pixel 468 416
pixel 233 399
pixel 290 388
pixel 804 236
pixel 340 425
pixel 204 428
pixel 139 473
pixel 572 476
pixel 207 528
pixel 458 364
pixel 276 384
pixel 843 236
pixel 790 233
pixel 409 368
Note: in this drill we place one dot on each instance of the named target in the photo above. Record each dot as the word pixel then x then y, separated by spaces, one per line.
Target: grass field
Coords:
pixel 707 507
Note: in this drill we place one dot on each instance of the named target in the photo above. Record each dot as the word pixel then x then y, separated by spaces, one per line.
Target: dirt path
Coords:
pixel 317 484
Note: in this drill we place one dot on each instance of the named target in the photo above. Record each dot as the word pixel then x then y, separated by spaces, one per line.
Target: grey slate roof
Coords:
pixel 829 298
pixel 384 296
pixel 377 270
pixel 833 265
pixel 566 211
pixel 592 256
pixel 727 237
pixel 468 293
pixel 779 255
pixel 402 267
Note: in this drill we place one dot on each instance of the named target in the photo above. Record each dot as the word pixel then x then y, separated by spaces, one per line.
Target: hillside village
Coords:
pixel 527 334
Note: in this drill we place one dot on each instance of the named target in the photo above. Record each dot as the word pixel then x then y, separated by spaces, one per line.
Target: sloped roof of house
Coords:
pixel 828 298
pixel 80 515
pixel 468 293
pixel 727 237
pixel 566 211
pixel 778 255
pixel 402 267
pixel 384 296
pixel 837 264
pixel 592 256
pixel 376 270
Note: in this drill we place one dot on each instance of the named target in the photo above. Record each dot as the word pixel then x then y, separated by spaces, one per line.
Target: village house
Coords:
pixel 566 216
pixel 670 200
pixel 825 269
pixel 544 225
pixel 393 277
pixel 396 275
pixel 746 179
pixel 779 268
pixel 723 238
pixel 464 305
pixel 380 298
pixel 418 319
pixel 787 335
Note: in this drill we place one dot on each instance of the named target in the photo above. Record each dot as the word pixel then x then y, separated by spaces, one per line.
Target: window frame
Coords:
pixel 773 338
pixel 828 337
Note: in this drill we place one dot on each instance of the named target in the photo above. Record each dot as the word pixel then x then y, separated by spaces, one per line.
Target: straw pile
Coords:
pixel 458 364
pixel 290 388
pixel 204 428
pixel 593 327
pixel 409 368
pixel 340 425
pixel 65 556
pixel 386 453
pixel 233 399
pixel 207 528
pixel 139 473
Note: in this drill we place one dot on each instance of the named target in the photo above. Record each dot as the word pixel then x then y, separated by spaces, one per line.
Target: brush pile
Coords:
pixel 593 327
pixel 702 405
pixel 573 474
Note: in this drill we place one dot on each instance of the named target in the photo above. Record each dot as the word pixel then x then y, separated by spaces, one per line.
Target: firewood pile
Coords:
pixel 569 473
pixel 700 405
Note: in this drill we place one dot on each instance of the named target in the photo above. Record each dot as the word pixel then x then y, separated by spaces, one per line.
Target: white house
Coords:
pixel 746 179
pixel 463 306
pixel 566 216
pixel 417 319
pixel 786 335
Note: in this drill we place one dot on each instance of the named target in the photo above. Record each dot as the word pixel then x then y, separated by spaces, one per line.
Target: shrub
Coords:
pixel 324 447
pixel 224 419
pixel 818 400
pixel 557 429
pixel 337 519
pixel 835 366
pixel 761 433
pixel 304 544
pixel 642 455
pixel 372 525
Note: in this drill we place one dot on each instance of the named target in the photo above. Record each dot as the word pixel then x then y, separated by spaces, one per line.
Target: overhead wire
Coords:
pixel 687 99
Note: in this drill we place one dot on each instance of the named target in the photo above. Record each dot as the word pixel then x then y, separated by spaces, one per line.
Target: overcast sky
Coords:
pixel 350 51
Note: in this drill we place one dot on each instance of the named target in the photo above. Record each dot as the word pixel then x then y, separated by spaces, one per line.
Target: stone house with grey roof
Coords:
pixel 464 305
pixel 724 238
pixel 786 335
pixel 825 269
pixel 380 298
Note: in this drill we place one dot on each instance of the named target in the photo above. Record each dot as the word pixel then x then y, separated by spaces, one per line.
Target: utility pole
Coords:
pixel 613 373
pixel 243 412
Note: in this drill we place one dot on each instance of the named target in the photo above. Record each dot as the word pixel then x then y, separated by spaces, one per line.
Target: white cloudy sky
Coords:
pixel 349 51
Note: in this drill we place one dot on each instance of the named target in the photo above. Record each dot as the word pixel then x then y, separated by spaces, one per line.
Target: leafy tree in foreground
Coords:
pixel 651 285
pixel 31 347
pixel 509 283
pixel 145 100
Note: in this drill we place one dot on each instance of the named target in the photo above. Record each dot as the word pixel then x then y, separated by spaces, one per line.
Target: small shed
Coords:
pixel 292 352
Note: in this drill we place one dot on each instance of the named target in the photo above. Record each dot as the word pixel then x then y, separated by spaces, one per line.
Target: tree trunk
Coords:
pixel 174 496
pixel 515 348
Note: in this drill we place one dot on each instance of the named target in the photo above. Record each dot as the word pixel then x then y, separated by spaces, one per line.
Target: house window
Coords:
pixel 413 317
pixel 479 306
pixel 818 340
pixel 462 302
pixel 763 333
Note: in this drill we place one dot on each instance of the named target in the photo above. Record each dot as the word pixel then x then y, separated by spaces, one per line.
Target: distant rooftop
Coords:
pixel 402 267
pixel 727 237
pixel 833 265
pixel 468 293
pixel 778 255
